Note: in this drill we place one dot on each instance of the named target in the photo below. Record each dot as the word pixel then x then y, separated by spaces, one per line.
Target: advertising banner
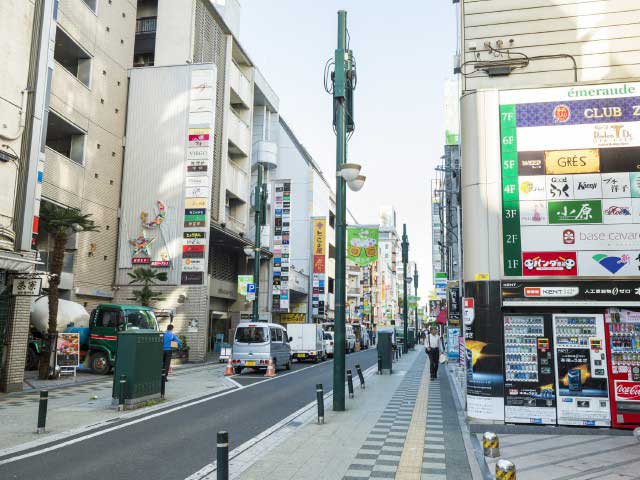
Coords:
pixel 243 281
pixel 454 304
pixel 570 181
pixel 68 350
pixel 319 250
pixel 319 236
pixel 453 342
pixel 362 244
pixel 286 318
pixel 570 292
pixel 281 242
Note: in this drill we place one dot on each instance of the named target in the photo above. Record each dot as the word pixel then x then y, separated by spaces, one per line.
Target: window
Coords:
pixel 107 318
pixel 65 138
pixel 92 4
pixel 331 282
pixel 332 219
pixel 274 335
pixel 141 319
pixel 285 336
pixel 72 57
pixel 332 251
pixel 279 334
pixel 251 335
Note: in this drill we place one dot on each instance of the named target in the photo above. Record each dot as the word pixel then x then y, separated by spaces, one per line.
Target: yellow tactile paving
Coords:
pixel 410 467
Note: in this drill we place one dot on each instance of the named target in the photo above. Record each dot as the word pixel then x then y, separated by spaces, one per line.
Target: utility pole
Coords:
pixel 342 107
pixel 415 282
pixel 260 220
pixel 405 300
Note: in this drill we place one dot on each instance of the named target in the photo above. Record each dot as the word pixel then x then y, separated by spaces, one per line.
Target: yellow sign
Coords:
pixel 572 161
pixel 286 318
pixel 195 203
pixel 480 277
pixel 319 236
pixel 199 131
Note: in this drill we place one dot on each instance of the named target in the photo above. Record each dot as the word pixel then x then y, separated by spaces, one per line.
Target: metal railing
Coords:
pixel 146 25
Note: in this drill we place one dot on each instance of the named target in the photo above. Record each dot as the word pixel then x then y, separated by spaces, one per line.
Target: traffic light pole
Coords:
pixel 256 259
pixel 339 99
pixel 405 300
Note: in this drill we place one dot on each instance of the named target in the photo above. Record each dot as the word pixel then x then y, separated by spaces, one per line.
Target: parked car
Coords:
pixel 307 342
pixel 328 343
pixel 254 344
pixel 349 339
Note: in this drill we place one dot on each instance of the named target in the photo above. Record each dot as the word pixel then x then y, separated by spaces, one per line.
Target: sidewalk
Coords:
pixel 401 426
pixel 87 403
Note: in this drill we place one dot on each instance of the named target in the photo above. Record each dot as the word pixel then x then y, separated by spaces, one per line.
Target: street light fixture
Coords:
pixel 349 171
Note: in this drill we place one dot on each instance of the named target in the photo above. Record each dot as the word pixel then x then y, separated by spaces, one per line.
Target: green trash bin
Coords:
pixel 412 338
pixel 385 349
pixel 139 358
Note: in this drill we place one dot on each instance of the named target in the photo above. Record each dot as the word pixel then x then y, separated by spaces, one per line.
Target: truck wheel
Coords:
pixel 32 360
pixel 100 363
pixel 288 365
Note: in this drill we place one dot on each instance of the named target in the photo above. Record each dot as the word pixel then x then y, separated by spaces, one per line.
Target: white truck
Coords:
pixel 307 342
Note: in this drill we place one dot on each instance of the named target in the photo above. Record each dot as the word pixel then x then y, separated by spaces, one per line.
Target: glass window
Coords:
pixel 279 333
pixel 140 319
pixel 107 319
pixel 251 335
pixel 274 335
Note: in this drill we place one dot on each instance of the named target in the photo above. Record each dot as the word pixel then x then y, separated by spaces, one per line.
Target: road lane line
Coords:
pixel 144 416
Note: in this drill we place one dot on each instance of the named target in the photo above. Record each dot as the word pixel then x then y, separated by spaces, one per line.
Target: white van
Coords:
pixel 307 342
pixel 254 343
pixel 349 337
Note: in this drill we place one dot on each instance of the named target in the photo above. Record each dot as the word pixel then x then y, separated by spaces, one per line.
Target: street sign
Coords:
pixel 251 291
pixel 27 286
pixel 468 311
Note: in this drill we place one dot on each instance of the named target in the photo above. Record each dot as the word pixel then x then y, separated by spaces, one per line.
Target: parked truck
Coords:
pixel 98 335
pixel 307 341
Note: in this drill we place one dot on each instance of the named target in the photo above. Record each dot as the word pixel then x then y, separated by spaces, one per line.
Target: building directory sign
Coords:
pixel 570 160
pixel 281 242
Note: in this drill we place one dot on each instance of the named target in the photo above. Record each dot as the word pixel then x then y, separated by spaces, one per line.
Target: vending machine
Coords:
pixel 529 376
pixel 623 342
pixel 581 370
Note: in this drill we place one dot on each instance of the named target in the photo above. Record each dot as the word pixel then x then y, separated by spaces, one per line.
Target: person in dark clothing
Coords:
pixel 433 347
pixel 167 353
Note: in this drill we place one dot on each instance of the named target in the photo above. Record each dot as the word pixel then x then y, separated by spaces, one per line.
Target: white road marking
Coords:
pixel 81 430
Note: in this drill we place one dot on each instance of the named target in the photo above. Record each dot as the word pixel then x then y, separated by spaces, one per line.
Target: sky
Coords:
pixel 404 52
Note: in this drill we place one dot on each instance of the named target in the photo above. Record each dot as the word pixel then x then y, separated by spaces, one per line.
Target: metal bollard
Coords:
pixel 320 400
pixel 490 445
pixel 222 456
pixel 505 470
pixel 359 371
pixel 350 383
pixel 379 364
pixel 163 382
pixel 123 385
pixel 42 411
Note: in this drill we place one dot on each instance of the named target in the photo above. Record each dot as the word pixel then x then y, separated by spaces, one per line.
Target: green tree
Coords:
pixel 147 278
pixel 59 223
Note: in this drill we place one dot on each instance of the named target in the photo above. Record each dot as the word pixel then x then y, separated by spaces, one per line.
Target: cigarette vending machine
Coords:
pixel 581 370
pixel 623 342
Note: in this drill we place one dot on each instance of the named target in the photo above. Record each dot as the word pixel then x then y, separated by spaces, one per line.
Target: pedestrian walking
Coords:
pixel 433 348
pixel 167 353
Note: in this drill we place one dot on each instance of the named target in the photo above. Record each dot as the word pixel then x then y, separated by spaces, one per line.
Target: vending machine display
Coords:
pixel 529 375
pixel 623 332
pixel 581 370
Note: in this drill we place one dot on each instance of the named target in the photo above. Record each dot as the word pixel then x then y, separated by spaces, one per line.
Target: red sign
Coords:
pixel 627 391
pixel 160 264
pixel 193 248
pixel 561 113
pixel 318 264
pixel 569 237
pixel 532 292
pixel 468 302
pixel 140 260
pixel 549 264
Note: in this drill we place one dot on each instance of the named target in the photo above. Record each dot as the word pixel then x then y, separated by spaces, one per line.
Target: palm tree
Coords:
pixel 59 223
pixel 147 277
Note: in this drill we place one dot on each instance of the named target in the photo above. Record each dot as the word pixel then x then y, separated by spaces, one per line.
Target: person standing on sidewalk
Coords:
pixel 167 353
pixel 433 348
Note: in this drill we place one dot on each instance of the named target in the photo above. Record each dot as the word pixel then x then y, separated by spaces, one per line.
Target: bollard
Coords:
pixel 222 456
pixel 359 370
pixel 636 433
pixel 505 470
pixel 123 384
pixel 320 400
pixel 350 383
pixel 490 445
pixel 42 411
pixel 379 364
pixel 163 382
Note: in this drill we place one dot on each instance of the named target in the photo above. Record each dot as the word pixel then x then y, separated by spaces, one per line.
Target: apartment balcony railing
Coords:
pixel 146 25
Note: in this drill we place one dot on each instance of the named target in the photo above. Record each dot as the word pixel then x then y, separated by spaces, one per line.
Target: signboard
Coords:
pixel 251 291
pixel 319 249
pixel 68 350
pixel 603 293
pixel 441 284
pixel 362 244
pixel 468 310
pixel 286 318
pixel 570 161
pixel 319 236
pixel 281 242
pixel 26 286
pixel 454 304
pixel 243 281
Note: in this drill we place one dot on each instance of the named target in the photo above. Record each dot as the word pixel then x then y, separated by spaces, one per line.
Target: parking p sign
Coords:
pixel 251 291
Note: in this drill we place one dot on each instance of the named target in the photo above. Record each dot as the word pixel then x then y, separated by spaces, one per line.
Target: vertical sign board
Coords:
pixel 571 181
pixel 197 176
pixel 319 250
pixel 281 242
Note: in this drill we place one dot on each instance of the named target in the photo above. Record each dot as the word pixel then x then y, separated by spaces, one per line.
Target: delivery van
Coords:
pixel 255 343
pixel 307 342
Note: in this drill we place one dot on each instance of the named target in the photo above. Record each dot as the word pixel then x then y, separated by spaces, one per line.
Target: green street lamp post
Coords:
pixel 405 301
pixel 415 284
pixel 260 202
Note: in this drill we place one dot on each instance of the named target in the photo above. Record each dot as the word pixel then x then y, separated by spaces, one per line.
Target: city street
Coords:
pixel 175 444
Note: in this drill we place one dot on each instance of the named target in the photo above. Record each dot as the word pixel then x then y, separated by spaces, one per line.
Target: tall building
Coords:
pixel 549 143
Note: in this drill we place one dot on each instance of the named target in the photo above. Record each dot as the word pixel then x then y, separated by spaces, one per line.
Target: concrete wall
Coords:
pixel 602 36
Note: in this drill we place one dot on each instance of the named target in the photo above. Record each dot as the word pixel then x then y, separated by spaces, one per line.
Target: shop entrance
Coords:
pixel 4 319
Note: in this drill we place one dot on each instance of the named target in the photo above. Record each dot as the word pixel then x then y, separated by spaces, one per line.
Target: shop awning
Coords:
pixel 17 263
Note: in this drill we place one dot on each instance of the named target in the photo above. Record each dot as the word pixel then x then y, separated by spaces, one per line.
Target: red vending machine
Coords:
pixel 623 343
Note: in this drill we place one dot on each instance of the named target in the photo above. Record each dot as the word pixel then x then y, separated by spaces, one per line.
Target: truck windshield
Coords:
pixel 251 335
pixel 141 319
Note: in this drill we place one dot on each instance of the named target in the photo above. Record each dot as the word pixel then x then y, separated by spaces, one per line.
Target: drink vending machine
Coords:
pixel 581 370
pixel 623 342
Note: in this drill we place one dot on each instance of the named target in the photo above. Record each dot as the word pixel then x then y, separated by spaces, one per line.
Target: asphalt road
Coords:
pixel 175 445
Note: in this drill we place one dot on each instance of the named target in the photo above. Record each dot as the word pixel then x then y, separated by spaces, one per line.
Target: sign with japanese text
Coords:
pixel 362 244
pixel 319 236
pixel 570 164
pixel 26 286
